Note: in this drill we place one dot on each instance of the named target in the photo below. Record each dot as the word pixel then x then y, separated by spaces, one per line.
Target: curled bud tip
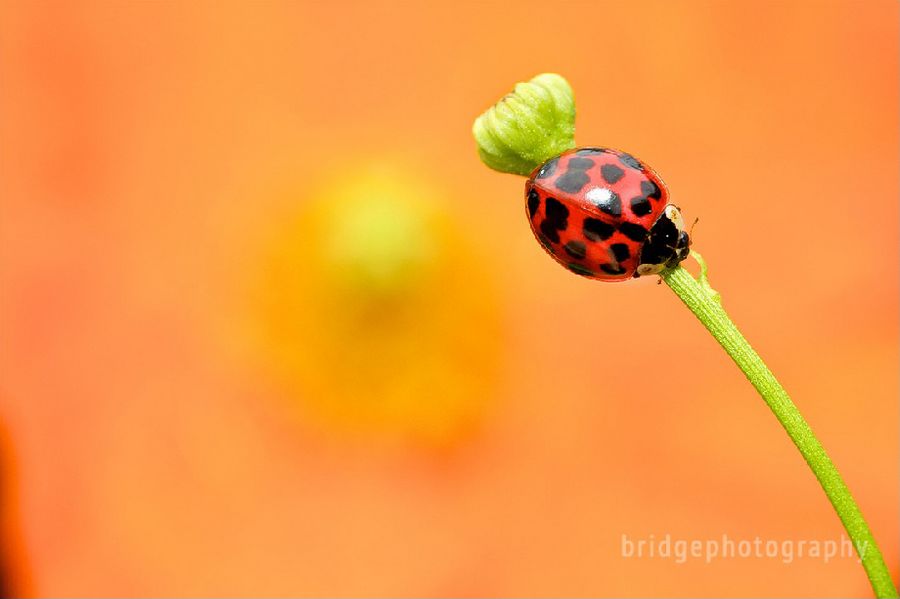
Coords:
pixel 533 123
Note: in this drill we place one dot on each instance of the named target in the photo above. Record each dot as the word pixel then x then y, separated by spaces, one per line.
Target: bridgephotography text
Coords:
pixel 786 550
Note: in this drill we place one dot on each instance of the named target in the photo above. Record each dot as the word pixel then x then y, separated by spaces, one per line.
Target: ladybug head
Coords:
pixel 667 243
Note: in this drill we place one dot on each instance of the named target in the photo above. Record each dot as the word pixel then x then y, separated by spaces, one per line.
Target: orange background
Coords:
pixel 151 155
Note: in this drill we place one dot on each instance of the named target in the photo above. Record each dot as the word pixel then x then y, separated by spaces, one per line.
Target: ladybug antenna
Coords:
pixel 691 232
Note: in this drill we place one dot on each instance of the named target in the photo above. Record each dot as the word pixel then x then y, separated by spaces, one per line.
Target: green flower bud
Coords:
pixel 528 126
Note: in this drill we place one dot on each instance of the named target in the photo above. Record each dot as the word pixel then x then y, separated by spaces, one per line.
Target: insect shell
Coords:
pixel 605 215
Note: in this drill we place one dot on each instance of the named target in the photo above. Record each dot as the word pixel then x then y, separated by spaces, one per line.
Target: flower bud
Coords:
pixel 528 126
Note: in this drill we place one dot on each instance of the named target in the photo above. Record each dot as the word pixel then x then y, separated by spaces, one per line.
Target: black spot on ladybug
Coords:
pixel 550 231
pixel 640 206
pixel 580 164
pixel 620 251
pixel 575 249
pixel 557 212
pixel 607 201
pixel 596 230
pixel 650 189
pixel 580 270
pixel 548 169
pixel 557 219
pixel 633 231
pixel 591 151
pixel 534 200
pixel 611 173
pixel 630 161
pixel 544 242
pixel 572 181
pixel 612 269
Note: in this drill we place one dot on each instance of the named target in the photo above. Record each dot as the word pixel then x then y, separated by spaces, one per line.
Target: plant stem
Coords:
pixel 704 302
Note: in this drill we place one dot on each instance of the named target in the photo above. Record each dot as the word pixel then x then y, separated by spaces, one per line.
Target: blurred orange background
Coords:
pixel 212 385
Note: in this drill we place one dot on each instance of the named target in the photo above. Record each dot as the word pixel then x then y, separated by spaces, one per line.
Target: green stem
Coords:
pixel 704 302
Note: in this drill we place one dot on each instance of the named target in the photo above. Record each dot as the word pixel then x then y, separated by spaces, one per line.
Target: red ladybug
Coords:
pixel 604 214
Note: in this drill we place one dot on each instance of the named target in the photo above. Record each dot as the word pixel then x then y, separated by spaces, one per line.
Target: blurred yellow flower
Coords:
pixel 377 312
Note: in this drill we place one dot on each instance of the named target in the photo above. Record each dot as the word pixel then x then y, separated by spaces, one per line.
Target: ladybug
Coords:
pixel 605 215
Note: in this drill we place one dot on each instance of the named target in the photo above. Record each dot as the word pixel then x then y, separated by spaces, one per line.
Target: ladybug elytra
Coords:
pixel 605 215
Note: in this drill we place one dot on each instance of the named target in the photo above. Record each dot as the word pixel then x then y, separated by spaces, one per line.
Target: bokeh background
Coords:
pixel 270 328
